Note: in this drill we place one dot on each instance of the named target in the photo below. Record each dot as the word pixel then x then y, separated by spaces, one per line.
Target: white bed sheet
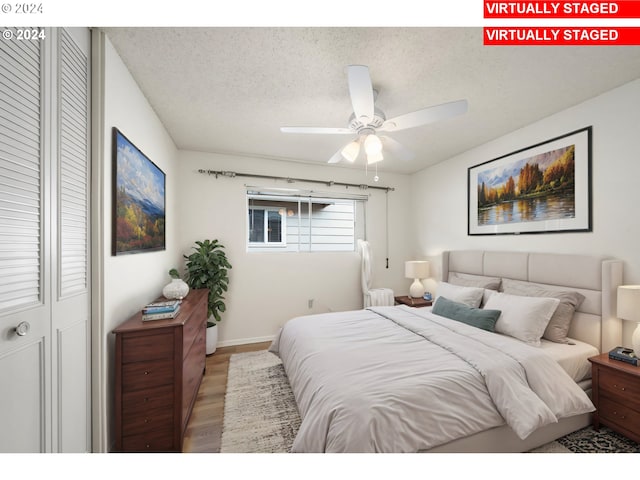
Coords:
pixel 572 358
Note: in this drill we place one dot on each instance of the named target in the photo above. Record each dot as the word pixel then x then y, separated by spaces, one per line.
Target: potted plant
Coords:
pixel 207 268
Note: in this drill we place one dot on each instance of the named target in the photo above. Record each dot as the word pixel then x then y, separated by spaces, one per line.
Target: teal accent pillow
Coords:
pixel 476 317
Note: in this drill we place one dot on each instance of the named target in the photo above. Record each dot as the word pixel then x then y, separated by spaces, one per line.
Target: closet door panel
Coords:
pixel 22 405
pixel 71 303
pixel 25 309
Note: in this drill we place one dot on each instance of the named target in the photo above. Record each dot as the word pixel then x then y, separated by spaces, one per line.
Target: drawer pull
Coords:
pixel 146 372
pixel 146 420
pixel 148 446
pixel 616 414
pixel 616 386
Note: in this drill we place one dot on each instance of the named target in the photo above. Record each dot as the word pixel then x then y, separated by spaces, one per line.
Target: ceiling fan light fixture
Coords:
pixel 372 145
pixel 350 151
pixel 374 157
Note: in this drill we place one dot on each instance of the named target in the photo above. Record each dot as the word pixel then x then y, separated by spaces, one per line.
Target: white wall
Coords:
pixel 615 118
pixel 130 281
pixel 267 289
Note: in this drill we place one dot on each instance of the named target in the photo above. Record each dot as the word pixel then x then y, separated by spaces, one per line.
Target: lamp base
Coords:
pixel 635 340
pixel 417 289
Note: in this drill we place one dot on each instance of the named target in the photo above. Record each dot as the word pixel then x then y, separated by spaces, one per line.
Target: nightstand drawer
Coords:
pixel 620 386
pixel 623 416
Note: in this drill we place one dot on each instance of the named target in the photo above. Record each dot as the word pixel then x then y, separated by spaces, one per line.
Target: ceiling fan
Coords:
pixel 367 121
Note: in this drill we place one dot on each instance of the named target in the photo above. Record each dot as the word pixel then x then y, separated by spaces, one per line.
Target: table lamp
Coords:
pixel 417 270
pixel 629 309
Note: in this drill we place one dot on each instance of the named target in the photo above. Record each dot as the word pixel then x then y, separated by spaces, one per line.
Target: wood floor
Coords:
pixel 204 430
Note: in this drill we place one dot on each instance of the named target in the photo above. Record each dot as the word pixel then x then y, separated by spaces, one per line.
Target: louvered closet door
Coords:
pixel 44 289
pixel 24 380
pixel 70 243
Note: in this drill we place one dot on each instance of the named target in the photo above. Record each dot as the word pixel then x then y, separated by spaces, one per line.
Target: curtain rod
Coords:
pixel 220 173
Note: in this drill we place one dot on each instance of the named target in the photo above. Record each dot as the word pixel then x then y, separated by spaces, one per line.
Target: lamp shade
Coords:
pixel 417 270
pixel 629 302
pixel 629 309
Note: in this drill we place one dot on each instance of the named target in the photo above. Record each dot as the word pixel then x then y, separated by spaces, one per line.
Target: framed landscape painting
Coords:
pixel 138 200
pixel 543 188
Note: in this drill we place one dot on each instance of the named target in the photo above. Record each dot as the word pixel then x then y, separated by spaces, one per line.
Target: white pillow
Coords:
pixel 471 296
pixel 524 318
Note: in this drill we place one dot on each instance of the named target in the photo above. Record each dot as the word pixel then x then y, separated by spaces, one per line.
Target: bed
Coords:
pixel 400 379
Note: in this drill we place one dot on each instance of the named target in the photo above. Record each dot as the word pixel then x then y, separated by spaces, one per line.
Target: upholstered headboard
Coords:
pixel 595 277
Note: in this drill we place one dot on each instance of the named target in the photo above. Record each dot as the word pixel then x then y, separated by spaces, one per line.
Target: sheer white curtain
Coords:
pixel 371 296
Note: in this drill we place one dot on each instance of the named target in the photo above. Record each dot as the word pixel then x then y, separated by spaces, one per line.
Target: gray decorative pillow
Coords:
pixel 480 281
pixel 558 326
pixel 471 296
pixel 467 280
pixel 476 317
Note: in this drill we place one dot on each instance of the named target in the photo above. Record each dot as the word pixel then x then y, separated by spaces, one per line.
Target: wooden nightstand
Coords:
pixel 413 302
pixel 616 395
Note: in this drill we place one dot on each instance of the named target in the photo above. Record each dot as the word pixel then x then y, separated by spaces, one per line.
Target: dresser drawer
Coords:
pixel 156 419
pixel 623 416
pixel 152 441
pixel 140 375
pixel 193 369
pixel 620 386
pixel 141 348
pixel 192 329
pixel 138 402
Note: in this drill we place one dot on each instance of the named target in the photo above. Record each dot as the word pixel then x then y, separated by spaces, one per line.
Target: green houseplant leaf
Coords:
pixel 207 268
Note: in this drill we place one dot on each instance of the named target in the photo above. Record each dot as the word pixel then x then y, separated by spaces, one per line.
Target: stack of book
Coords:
pixel 624 355
pixel 160 310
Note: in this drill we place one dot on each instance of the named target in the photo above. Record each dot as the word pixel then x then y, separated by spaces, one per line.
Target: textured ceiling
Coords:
pixel 228 89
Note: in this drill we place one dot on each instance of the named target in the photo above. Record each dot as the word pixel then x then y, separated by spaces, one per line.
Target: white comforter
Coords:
pixel 398 379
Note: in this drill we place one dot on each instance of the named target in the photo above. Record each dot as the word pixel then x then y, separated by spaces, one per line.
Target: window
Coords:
pixel 266 226
pixel 298 221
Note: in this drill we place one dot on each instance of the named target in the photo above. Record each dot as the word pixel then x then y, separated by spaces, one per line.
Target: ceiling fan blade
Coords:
pixel 396 149
pixel 323 130
pixel 361 91
pixel 425 116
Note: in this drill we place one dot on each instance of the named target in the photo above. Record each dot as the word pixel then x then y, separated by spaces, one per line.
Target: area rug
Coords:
pixel 261 416
pixel 260 412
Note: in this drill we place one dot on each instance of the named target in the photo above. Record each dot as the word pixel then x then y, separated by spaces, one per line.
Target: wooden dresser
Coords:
pixel 616 395
pixel 159 367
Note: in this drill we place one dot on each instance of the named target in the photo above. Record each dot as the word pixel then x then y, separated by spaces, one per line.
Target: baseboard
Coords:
pixel 245 341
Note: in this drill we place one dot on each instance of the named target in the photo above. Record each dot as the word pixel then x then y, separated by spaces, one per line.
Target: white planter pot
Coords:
pixel 212 339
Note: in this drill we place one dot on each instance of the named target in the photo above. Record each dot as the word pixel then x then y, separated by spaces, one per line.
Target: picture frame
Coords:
pixel 543 188
pixel 139 203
